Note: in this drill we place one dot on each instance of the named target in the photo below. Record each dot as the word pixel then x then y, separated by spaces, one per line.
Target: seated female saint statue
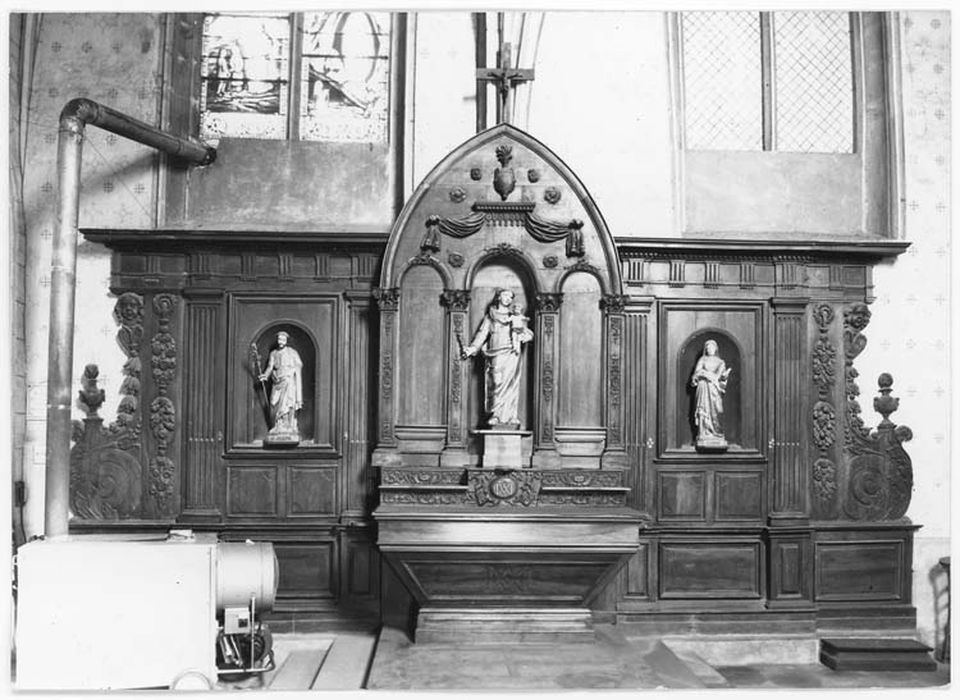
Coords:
pixel 286 394
pixel 501 335
pixel 710 379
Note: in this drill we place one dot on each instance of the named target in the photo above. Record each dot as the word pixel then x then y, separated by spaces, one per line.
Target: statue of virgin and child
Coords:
pixel 500 337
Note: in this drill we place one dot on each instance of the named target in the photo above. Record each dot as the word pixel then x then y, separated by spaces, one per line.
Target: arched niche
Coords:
pixel 421 350
pixel 690 353
pixel 581 347
pixel 256 394
pixel 494 273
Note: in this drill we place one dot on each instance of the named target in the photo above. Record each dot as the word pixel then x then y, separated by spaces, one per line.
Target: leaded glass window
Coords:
pixel 315 76
pixel 780 81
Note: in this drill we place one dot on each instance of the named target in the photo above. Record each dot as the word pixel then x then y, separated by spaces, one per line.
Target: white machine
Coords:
pixel 111 612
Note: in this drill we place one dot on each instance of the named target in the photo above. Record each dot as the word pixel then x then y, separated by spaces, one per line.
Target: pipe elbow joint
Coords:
pixel 210 157
pixel 82 109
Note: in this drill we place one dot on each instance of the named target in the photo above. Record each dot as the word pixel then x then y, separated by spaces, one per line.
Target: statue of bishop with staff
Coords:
pixel 286 393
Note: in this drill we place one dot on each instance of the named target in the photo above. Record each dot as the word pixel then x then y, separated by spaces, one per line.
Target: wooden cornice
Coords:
pixel 854 250
pixel 369 237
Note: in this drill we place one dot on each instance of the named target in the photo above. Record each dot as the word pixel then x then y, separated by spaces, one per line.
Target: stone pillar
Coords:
pixel 614 453
pixel 389 302
pixel 457 304
pixel 204 360
pixel 545 385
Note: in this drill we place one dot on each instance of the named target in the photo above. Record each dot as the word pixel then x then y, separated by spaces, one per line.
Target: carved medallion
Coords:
pixel 476 174
pixel 512 487
pixel 455 259
pixel 533 175
pixel 550 261
pixel 457 194
pixel 552 195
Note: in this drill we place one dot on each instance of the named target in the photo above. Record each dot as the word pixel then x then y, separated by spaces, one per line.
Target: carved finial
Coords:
pixel 885 404
pixel 91 396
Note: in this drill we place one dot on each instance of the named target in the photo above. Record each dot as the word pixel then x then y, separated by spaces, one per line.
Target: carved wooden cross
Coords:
pixel 506 79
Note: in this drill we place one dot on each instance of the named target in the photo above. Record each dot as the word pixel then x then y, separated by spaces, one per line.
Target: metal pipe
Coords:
pixel 73 120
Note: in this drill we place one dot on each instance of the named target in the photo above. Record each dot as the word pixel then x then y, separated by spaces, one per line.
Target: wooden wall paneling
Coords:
pixel 790 569
pixel 580 390
pixel 307 567
pixel 789 469
pixel 640 381
pixel 253 492
pixel 728 568
pixel 311 491
pixel 204 363
pixel 738 495
pixel 683 495
pixel 359 569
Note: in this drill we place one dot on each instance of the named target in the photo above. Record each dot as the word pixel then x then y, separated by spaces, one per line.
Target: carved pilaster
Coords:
pixel 163 411
pixel 203 419
pixel 389 302
pixel 639 402
pixel 789 474
pixel 457 303
pixel 613 307
pixel 824 372
pixel 548 312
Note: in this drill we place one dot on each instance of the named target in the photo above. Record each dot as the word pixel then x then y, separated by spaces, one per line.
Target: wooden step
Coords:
pixel 876 654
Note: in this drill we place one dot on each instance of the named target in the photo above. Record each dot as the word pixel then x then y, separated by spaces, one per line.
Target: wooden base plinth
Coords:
pixel 503 626
pixel 502 449
pixel 876 655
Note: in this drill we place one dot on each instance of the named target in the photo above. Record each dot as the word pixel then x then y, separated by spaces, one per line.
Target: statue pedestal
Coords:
pixel 502 449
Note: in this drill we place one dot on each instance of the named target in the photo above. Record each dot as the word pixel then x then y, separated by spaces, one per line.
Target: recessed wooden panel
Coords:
pixel 252 491
pixel 859 570
pixel 710 570
pixel 420 384
pixel 790 555
pixel 637 574
pixel 311 491
pixel 361 565
pixel 681 495
pixel 738 495
pixel 305 569
pixel 543 580
pixel 581 347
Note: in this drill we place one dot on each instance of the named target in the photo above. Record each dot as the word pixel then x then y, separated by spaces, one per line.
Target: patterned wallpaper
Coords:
pixel 115 60
pixel 909 334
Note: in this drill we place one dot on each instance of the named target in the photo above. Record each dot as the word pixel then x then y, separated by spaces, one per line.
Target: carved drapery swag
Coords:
pixel 542 230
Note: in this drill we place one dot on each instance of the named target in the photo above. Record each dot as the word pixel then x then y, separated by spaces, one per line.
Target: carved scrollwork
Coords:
pixel 855 319
pixel 429 498
pixel 881 473
pixel 421 477
pixel 573 478
pixel 567 498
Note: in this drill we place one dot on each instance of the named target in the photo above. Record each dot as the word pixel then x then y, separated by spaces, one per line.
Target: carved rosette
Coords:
pixel 163 416
pixel 105 474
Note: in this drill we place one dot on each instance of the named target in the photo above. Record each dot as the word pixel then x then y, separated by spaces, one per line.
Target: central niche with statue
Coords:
pixel 500 423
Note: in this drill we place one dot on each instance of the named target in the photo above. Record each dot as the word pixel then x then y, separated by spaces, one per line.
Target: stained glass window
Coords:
pixel 345 81
pixel 245 76
pixel 768 81
pixel 318 75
